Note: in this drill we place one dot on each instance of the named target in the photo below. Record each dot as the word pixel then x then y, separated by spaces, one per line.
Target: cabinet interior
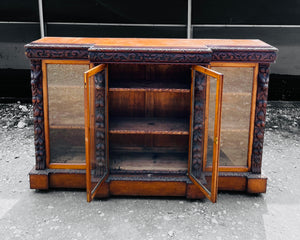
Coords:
pixel 149 108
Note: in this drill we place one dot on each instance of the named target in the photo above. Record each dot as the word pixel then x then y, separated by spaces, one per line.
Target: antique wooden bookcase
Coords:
pixel 149 117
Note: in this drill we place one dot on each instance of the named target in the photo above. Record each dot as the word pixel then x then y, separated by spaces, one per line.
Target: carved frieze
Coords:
pixel 56 53
pixel 243 56
pixel 149 57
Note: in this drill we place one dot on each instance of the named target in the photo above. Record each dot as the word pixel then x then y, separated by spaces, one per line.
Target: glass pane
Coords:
pixel 236 108
pixel 98 166
pixel 212 86
pixel 204 133
pixel 210 123
pixel 66 112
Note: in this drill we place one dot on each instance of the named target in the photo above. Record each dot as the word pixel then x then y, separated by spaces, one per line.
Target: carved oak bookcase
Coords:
pixel 149 117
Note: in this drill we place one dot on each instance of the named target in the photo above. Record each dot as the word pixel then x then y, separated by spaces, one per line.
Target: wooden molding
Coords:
pixel 256 184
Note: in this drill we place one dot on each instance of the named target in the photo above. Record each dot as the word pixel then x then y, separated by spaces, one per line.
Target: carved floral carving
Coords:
pixel 100 147
pixel 38 114
pixel 260 117
pixel 244 56
pixel 145 57
pixel 198 125
pixel 57 53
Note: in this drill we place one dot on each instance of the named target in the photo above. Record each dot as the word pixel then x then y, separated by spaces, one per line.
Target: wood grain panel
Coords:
pixel 61 180
pixel 167 126
pixel 139 188
pixel 127 104
pixel 148 161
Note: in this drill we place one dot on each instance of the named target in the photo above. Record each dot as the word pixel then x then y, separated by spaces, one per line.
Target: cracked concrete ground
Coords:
pixel 30 214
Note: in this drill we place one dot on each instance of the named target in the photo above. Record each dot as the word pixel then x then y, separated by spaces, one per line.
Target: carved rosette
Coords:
pixel 100 124
pixel 198 124
pixel 38 114
pixel 260 117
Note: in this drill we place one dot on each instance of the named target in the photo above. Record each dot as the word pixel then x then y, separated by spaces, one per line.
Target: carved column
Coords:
pixel 260 117
pixel 100 124
pixel 198 125
pixel 38 113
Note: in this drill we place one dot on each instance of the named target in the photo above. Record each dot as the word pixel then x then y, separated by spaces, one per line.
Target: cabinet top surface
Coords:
pixel 152 50
pixel 154 42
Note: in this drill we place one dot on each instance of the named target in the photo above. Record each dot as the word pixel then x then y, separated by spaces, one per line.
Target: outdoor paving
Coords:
pixel 30 214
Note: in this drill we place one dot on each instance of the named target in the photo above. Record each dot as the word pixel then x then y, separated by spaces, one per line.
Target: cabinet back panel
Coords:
pixel 176 142
pixel 149 104
pixel 152 72
pixel 126 104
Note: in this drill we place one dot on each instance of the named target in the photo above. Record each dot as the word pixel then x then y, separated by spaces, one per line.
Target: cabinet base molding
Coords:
pixel 256 183
pixel 132 186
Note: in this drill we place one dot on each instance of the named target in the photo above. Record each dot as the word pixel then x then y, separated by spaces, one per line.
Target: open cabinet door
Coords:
pixel 96 149
pixel 205 121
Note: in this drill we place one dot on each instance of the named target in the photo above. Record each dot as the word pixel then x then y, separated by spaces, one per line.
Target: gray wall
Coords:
pixel 287 40
pixel 218 14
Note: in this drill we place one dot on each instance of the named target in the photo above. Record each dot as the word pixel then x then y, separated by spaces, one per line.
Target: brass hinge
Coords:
pixel 216 140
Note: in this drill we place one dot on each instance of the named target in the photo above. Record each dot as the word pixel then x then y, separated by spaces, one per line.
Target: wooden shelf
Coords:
pixel 65 126
pixel 146 85
pixel 68 154
pixel 167 126
pixel 148 161
pixel 65 86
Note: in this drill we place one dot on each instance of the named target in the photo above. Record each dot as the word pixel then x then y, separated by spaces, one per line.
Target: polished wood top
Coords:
pixel 155 43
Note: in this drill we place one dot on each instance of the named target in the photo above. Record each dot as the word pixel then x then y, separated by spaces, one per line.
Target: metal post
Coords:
pixel 189 19
pixel 41 18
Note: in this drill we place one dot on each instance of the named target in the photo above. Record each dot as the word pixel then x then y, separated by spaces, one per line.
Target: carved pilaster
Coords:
pixel 198 124
pixel 260 117
pixel 38 113
pixel 100 123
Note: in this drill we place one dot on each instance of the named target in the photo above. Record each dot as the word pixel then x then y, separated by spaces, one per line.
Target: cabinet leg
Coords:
pixel 39 180
pixel 193 192
pixel 256 184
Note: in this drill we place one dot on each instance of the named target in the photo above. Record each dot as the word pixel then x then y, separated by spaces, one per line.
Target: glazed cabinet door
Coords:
pixel 96 125
pixel 205 120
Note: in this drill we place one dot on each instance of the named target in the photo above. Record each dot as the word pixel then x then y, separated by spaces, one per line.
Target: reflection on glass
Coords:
pixel 98 168
pixel 236 108
pixel 66 112
pixel 210 123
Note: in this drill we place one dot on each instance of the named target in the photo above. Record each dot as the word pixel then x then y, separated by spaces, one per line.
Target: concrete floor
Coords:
pixel 30 214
